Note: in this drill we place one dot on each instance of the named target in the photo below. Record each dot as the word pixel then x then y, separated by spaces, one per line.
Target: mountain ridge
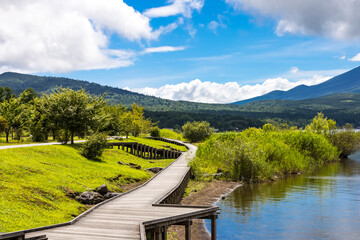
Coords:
pixel 343 83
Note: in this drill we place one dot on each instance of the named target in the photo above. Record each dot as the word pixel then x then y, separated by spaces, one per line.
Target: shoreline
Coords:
pixel 209 195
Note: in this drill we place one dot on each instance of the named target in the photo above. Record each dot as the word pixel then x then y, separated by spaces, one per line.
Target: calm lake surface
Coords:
pixel 322 205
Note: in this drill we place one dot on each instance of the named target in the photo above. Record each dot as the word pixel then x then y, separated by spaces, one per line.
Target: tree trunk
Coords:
pixel 7 136
pixel 53 133
pixel 72 137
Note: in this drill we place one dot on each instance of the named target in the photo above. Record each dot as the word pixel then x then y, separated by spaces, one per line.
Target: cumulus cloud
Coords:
pixel 65 35
pixel 331 18
pixel 176 7
pixel 211 92
pixel 163 49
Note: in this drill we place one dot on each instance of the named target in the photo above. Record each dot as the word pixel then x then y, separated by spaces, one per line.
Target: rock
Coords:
pixel 121 163
pixel 110 195
pixel 151 162
pixel 132 164
pixel 155 169
pixel 90 198
pixel 102 189
pixel 136 166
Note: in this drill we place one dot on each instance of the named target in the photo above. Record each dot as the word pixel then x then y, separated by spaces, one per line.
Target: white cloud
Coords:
pixel 331 18
pixel 163 49
pixel 211 92
pixel 176 7
pixel 294 70
pixel 214 25
pixel 65 35
pixel 355 58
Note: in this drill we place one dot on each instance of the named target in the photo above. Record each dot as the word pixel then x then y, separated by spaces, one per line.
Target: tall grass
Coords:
pixel 258 154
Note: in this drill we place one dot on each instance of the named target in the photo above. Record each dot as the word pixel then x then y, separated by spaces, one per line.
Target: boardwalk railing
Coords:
pixel 145 151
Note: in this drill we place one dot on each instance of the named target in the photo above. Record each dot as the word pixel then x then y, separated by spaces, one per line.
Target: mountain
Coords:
pixel 343 83
pixel 19 82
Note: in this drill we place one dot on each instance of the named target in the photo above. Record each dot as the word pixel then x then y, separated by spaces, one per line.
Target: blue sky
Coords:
pixel 209 51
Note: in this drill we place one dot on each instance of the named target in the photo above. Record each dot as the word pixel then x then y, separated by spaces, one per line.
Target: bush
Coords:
pixel 197 131
pixel 257 155
pixel 94 146
pixel 346 140
pixel 155 132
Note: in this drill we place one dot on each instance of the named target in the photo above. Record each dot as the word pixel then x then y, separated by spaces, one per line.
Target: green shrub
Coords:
pixel 197 131
pixel 257 155
pixel 94 146
pixel 346 140
pixel 155 132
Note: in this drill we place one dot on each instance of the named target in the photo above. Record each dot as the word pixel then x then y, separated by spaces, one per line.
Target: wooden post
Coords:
pixel 188 230
pixel 158 234
pixel 213 227
pixel 122 146
pixel 164 233
pixel 137 149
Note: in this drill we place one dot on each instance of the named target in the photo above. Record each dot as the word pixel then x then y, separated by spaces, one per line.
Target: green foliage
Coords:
pixel 346 140
pixel 155 132
pixel 321 125
pixel 73 111
pixel 94 147
pixel 262 154
pixel 167 133
pixel 197 131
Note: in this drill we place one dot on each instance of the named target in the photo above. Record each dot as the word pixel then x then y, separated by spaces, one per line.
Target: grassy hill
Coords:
pixel 36 182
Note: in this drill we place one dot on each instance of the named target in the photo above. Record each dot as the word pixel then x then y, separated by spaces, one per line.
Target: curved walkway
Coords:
pixel 130 214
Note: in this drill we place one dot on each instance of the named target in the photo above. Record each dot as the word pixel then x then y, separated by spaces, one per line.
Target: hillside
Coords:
pixel 343 83
pixel 344 108
pixel 19 82
pixel 39 183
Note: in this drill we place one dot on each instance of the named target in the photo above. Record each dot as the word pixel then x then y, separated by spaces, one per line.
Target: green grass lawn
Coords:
pixel 152 143
pixel 34 182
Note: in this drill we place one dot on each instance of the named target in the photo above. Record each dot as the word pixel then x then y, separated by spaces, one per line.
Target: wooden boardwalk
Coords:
pixel 138 213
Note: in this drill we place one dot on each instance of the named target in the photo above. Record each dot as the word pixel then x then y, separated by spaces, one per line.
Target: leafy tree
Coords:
pixel 197 131
pixel 16 115
pixel 28 95
pixel 321 125
pixel 3 124
pixel 126 123
pixel 73 111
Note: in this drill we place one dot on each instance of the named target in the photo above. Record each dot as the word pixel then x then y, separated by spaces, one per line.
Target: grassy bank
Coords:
pixel 36 182
pixel 262 154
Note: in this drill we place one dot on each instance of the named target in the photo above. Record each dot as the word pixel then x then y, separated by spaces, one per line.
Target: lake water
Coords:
pixel 322 205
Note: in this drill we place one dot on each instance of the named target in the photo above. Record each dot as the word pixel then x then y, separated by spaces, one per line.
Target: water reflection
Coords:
pixel 324 204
